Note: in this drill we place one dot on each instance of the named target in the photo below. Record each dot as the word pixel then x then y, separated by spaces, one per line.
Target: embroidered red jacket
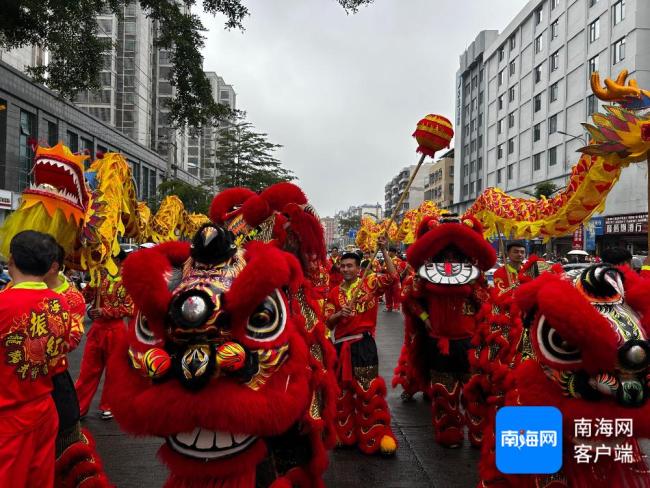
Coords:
pixel 114 301
pixel 34 330
pixel 77 306
pixel 364 318
pixel 506 278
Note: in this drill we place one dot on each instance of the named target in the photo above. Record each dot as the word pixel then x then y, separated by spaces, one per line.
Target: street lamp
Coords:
pixel 581 138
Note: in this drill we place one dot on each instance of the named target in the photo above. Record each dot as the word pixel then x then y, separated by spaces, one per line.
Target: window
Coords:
pixel 537 102
pixel 480 141
pixel 466 170
pixel 511 145
pixel 501 53
pixel 480 75
pixel 499 102
pixel 619 51
pixel 472 166
pixel 512 68
pixel 554 91
pixel 52 133
pixel 594 30
pixel 500 126
pixel 471 187
pixel 552 156
pixel 537 132
pixel 592 105
pixel 539 16
pixel 479 164
pixel 87 147
pixel 538 73
pixel 552 124
pixel 73 142
pixel 592 3
pixel 592 65
pixel 511 94
pixel 511 120
pixel 511 171
pixel 26 153
pixel 145 184
pixel 618 11
pixel 499 151
pixel 554 4
pixel 537 161
pixel 513 42
pixel 555 29
pixel 472 125
pixel 500 77
pixel 499 175
pixel 555 60
pixel 539 43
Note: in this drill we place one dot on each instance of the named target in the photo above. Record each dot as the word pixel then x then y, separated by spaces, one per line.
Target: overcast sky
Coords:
pixel 342 93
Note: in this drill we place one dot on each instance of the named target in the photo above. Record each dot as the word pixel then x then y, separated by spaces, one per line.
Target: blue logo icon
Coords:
pixel 529 440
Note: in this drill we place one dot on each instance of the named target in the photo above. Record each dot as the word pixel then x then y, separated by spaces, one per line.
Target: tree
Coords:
pixel 545 188
pixel 348 224
pixel 68 29
pixel 196 199
pixel 245 158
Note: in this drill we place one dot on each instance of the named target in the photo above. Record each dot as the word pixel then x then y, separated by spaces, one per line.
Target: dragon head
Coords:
pixel 589 341
pixel 58 177
pixel 217 362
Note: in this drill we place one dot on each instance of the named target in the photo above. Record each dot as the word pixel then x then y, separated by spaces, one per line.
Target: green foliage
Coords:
pixel 345 225
pixel 245 158
pixel 68 29
pixel 545 188
pixel 196 199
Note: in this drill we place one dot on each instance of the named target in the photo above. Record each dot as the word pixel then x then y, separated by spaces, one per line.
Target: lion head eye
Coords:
pixel 268 320
pixel 553 346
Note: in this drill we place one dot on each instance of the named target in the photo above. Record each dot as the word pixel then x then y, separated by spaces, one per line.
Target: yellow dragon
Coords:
pixel 91 223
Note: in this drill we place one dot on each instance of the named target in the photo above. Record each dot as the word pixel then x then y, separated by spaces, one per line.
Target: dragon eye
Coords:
pixel 553 346
pixel 267 321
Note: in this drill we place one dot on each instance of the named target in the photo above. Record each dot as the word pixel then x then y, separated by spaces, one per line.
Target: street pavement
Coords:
pixel 131 462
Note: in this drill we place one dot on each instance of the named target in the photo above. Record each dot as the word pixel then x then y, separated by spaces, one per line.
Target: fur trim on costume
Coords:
pixel 79 466
pixel 228 203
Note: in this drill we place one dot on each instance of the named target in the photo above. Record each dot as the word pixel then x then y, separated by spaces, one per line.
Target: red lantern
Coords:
pixel 434 132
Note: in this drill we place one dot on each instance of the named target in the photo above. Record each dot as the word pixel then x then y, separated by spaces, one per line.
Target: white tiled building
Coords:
pixel 537 93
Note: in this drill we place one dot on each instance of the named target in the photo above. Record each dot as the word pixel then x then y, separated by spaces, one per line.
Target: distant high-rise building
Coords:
pixel 125 97
pixel 395 187
pixel 23 57
pixel 521 96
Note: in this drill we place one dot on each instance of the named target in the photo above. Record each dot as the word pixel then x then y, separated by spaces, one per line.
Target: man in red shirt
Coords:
pixel 392 295
pixel 111 305
pixel 351 311
pixel 34 329
pixel 506 278
pixel 335 273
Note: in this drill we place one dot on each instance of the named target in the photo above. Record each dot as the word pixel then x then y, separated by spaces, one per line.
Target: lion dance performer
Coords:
pixel 441 303
pixel 578 342
pixel 363 417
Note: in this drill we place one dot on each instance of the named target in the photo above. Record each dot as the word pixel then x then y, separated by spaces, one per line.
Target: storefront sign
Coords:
pixel 578 237
pixel 627 224
pixel 6 200
pixel 599 225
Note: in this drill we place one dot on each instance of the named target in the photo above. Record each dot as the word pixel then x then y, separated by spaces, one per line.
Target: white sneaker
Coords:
pixel 107 415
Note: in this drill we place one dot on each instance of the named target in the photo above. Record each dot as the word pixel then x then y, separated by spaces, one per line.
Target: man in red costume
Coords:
pixel 351 311
pixel 111 305
pixel 34 328
pixel 392 295
pixel 335 273
pixel 506 278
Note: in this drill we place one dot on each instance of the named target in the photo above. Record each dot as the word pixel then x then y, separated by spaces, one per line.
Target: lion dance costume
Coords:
pixel 578 342
pixel 224 331
pixel 441 303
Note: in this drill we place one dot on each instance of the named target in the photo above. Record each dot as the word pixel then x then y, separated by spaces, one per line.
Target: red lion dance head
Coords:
pixel 584 349
pixel 215 364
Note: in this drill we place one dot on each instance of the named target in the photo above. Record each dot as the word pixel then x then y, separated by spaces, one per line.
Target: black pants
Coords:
pixel 456 361
pixel 363 351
